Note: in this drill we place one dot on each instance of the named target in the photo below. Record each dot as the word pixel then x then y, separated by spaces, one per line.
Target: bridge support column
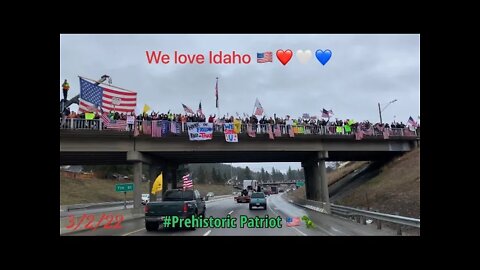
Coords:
pixel 324 185
pixel 171 169
pixel 137 180
pixel 316 179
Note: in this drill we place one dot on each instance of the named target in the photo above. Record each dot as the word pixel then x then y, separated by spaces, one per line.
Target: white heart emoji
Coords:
pixel 304 56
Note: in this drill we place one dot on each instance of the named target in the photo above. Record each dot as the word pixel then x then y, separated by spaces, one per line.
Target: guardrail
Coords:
pixel 112 204
pixel 359 215
pixel 95 205
pixel 350 211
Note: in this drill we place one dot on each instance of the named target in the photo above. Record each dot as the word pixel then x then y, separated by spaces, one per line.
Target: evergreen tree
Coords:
pixel 262 175
pixel 290 174
pixel 214 175
pixel 248 173
pixel 201 175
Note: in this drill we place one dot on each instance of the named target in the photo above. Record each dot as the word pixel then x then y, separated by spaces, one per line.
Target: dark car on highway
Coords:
pixel 175 202
pixel 258 200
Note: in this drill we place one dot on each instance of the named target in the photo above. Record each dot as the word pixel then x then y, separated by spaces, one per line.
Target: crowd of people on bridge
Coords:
pixel 313 124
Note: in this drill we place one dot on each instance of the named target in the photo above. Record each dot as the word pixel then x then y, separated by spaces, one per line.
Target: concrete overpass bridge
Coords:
pixel 87 146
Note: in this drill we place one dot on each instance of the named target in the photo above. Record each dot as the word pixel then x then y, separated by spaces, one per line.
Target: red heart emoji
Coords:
pixel 284 56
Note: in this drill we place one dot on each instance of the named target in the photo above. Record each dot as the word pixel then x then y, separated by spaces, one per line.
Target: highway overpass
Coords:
pixel 87 146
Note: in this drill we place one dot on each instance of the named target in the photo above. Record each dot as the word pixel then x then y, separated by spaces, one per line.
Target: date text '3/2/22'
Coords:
pixel 89 223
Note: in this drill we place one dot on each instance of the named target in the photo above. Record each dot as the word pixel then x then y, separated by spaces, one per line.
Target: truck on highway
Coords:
pixel 274 190
pixel 175 202
pixel 249 186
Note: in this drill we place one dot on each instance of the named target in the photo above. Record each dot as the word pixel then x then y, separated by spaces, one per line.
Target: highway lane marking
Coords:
pixel 304 234
pixel 207 233
pixel 230 212
pixel 268 204
pixel 133 232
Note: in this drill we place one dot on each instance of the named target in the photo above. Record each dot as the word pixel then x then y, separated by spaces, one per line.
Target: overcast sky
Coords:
pixel 363 70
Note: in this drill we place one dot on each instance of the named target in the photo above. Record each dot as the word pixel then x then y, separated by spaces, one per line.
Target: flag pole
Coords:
pixel 216 92
pixel 106 84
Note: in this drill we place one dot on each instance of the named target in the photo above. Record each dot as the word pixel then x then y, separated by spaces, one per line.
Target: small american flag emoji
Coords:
pixel 293 221
pixel 264 57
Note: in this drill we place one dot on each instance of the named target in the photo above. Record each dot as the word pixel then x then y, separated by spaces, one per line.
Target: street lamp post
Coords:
pixel 381 110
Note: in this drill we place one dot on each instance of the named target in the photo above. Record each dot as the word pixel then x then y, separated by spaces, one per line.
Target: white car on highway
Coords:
pixel 145 198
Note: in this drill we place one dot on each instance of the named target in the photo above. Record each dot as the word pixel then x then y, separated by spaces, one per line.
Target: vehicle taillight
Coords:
pixel 185 208
pixel 146 208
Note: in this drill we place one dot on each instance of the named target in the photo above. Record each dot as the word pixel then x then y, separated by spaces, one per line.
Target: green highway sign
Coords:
pixel 124 187
pixel 300 183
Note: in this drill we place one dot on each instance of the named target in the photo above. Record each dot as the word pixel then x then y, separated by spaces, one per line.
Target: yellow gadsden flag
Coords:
pixel 157 185
pixel 146 108
pixel 237 125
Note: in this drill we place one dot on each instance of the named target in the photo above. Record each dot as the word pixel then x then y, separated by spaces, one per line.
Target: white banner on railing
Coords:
pixel 200 131
pixel 130 119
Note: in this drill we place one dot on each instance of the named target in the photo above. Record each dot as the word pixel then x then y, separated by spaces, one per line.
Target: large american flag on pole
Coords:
pixel 94 96
pixel 187 182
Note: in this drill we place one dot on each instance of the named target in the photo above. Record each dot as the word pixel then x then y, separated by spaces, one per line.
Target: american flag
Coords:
pixel 386 134
pixel 187 109
pixel 277 132
pixel 93 96
pixel 358 134
pixel 259 110
pixel 293 221
pixel 113 124
pixel 264 57
pixel 157 129
pixel 327 114
pixel 270 133
pixel 147 127
pixel 187 182
pixel 250 131
pixel 290 131
pixel 136 132
pixel 412 122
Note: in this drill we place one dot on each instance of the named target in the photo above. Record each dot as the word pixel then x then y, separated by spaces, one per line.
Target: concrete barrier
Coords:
pixel 128 214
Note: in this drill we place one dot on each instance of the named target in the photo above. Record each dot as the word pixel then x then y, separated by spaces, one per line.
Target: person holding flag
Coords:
pixel 199 111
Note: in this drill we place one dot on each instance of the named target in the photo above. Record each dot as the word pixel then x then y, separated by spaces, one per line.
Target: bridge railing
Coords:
pixel 97 124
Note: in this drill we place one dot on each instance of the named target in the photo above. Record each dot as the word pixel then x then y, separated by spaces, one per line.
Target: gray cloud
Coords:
pixel 363 70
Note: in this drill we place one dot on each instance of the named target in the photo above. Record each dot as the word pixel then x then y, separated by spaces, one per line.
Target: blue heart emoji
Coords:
pixel 323 56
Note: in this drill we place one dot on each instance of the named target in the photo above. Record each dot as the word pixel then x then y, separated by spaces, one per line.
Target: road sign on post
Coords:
pixel 300 183
pixel 124 187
